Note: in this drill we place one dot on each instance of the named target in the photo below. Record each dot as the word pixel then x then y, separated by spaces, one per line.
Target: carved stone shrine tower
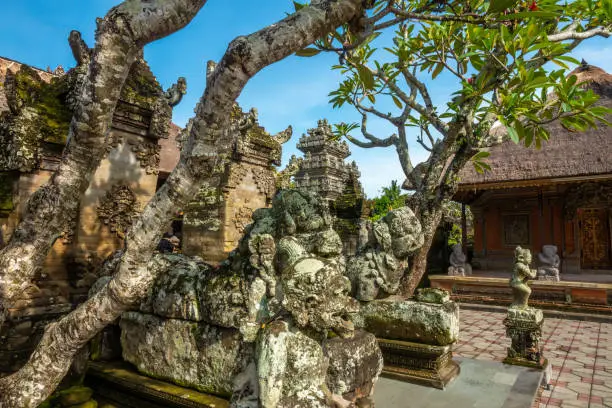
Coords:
pixel 324 171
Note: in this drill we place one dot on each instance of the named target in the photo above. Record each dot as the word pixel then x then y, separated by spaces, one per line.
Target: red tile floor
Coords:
pixel 580 353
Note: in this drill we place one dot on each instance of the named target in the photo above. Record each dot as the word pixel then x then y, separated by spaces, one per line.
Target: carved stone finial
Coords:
pixel 175 93
pixel 584 64
pixel 284 136
pixel 80 50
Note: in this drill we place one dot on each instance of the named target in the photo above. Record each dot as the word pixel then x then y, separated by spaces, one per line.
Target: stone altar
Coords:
pixel 458 263
pixel 549 263
pixel 269 326
pixel 523 323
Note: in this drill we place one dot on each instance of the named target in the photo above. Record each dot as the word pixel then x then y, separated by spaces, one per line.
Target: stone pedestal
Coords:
pixel 418 363
pixel 548 273
pixel 524 327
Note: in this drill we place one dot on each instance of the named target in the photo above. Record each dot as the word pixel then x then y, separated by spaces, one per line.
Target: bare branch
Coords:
pixel 575 35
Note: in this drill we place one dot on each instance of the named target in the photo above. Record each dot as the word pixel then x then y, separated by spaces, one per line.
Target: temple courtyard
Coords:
pixel 580 352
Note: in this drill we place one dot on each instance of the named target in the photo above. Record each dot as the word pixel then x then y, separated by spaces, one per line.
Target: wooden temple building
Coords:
pixel 559 195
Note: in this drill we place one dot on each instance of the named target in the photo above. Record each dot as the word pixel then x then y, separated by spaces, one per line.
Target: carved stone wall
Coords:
pixel 215 220
pixel 36 108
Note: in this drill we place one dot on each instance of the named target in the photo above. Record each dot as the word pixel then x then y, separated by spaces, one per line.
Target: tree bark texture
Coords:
pixel 207 145
pixel 120 37
pixel 418 265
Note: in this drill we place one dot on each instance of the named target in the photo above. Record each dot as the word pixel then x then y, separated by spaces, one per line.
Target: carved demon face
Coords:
pixel 317 296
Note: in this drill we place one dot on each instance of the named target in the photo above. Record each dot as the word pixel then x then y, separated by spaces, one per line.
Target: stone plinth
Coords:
pixel 524 327
pixel 548 273
pixel 415 337
pixel 418 363
pixel 407 320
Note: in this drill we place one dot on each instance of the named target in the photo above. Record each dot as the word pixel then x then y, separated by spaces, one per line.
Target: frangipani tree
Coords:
pixel 497 51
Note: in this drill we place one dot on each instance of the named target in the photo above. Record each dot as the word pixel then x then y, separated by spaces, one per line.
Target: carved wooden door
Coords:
pixel 595 238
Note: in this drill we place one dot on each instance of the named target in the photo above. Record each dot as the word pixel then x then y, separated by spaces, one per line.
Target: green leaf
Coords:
pixel 437 70
pixel 513 134
pixel 528 14
pixel 307 52
pixel 397 102
pixel 366 76
pixel 498 6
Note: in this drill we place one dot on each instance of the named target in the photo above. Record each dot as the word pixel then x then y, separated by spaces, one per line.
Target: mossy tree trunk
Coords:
pixel 208 144
pixel 120 37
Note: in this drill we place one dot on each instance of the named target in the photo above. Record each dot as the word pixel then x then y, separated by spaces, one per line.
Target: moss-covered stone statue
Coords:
pixel 269 326
pixel 521 273
pixel 523 323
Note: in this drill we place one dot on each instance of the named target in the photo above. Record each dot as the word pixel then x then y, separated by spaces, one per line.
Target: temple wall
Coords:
pixel 120 168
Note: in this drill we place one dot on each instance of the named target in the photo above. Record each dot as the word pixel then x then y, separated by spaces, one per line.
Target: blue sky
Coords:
pixel 290 92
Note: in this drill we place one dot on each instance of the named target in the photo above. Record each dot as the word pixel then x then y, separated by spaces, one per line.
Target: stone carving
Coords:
pixel 549 263
pixel 523 323
pixel 284 177
pixel 524 327
pixel 264 180
pixel 381 261
pixel 521 273
pixel 147 153
pixel 175 93
pixel 275 301
pixel 117 209
pixel 458 262
pixel 242 218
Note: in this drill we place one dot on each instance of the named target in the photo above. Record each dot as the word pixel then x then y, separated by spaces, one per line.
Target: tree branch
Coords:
pixel 207 146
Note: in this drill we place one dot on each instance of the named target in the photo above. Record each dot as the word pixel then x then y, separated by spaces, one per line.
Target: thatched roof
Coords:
pixel 566 155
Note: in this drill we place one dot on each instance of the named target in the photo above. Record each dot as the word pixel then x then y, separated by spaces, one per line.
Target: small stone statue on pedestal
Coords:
pixel 458 263
pixel 549 263
pixel 523 323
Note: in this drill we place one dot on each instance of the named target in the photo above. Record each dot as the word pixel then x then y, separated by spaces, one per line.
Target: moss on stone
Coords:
pixel 76 395
pixel 49 102
pixel 6 191
pixel 140 87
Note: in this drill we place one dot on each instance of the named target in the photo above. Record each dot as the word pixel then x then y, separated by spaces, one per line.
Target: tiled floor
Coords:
pixel 580 353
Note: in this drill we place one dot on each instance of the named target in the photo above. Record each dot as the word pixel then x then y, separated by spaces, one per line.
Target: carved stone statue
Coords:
pixel 458 262
pixel 267 322
pixel 521 273
pixel 523 323
pixel 380 262
pixel 175 93
pixel 549 263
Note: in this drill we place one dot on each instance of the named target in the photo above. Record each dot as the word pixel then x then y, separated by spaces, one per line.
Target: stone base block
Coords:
pixel 423 364
pixel 406 320
pixel 524 327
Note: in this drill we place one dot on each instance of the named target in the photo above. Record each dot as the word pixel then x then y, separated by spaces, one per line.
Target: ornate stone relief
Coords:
pixel 118 208
pixel 242 218
pixel 265 182
pixel 147 154
pixel 236 174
